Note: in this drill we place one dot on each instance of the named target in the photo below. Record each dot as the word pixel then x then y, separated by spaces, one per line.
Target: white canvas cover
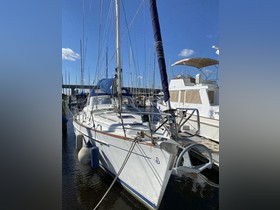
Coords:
pixel 197 62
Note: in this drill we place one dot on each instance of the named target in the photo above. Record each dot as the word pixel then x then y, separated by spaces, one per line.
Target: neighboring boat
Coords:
pixel 189 92
pixel 141 100
pixel 145 101
pixel 77 100
pixel 141 149
pixel 151 101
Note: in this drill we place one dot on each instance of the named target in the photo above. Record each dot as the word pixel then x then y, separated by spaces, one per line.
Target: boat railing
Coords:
pixel 185 114
pixel 158 119
pixel 184 163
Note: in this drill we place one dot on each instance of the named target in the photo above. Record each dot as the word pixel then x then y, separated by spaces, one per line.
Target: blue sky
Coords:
pixel 189 28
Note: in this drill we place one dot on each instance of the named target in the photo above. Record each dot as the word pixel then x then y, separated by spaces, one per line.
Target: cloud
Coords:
pixel 217 49
pixel 186 52
pixel 70 55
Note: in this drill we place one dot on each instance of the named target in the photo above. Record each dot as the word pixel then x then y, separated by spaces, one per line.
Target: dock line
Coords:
pixel 208 181
pixel 118 174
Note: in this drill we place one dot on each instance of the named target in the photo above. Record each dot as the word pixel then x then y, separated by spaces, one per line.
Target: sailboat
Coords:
pixel 131 145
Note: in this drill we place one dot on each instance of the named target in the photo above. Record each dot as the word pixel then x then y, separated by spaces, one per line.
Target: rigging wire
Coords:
pixel 128 32
pixel 108 27
pixel 208 181
pixel 132 21
pixel 99 40
pixel 102 39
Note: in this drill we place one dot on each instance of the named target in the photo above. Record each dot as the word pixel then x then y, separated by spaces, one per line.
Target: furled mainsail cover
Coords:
pixel 159 49
pixel 106 85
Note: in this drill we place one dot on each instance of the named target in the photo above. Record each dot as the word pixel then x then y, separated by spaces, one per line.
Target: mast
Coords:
pixel 118 56
pixel 82 65
pixel 82 42
pixel 130 68
pixel 154 74
pixel 106 62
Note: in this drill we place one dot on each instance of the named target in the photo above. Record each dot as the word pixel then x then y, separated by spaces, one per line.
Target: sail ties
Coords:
pixel 159 49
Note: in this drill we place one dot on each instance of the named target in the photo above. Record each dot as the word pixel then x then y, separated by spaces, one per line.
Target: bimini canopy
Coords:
pixel 197 62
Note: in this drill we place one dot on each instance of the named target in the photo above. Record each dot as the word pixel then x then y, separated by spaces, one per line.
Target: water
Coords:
pixel 83 187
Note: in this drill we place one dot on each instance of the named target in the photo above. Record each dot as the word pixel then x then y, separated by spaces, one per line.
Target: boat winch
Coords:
pixel 193 159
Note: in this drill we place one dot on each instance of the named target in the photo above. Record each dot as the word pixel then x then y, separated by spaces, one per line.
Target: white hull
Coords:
pixel 209 128
pixel 147 171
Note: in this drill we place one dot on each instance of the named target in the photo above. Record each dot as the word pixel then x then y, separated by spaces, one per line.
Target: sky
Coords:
pixel 249 81
pixel 189 28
